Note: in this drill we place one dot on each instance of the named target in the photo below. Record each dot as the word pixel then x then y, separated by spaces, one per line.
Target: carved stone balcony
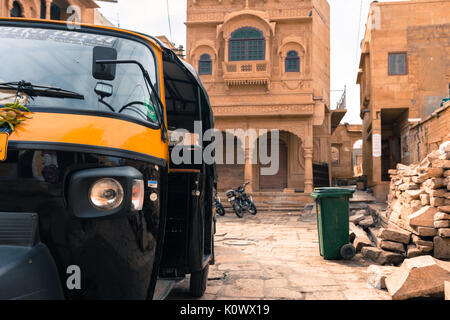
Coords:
pixel 237 73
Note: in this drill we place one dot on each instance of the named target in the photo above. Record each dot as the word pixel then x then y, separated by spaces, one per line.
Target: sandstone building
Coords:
pixel 53 10
pixel 404 75
pixel 266 65
pixel 345 153
pixel 179 50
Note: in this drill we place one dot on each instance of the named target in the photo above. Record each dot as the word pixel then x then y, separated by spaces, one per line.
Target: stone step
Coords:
pixel 265 204
pixel 362 196
pixel 230 210
pixel 271 208
pixel 379 210
pixel 277 197
pixel 275 201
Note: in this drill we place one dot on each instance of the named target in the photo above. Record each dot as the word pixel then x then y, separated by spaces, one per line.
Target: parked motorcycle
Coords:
pixel 220 210
pixel 240 201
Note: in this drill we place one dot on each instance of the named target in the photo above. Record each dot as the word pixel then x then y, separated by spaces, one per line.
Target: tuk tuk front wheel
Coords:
pixel 199 279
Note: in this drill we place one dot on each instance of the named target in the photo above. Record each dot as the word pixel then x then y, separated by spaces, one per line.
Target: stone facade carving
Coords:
pixel 32 9
pixel 262 94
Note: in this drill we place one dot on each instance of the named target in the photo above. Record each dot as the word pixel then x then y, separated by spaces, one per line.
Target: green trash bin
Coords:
pixel 332 207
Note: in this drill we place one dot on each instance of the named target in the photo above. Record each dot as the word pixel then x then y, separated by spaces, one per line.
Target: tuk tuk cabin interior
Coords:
pixel 189 220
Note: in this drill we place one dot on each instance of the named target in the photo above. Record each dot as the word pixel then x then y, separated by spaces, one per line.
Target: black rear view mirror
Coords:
pixel 104 71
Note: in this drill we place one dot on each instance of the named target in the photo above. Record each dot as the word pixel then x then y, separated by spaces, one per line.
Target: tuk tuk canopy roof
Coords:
pixel 185 93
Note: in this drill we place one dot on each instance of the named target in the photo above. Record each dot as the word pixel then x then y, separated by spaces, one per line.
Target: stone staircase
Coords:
pixel 296 202
pixel 274 201
pixel 361 200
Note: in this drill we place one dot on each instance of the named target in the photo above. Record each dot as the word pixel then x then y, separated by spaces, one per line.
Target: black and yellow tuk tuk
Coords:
pixel 91 205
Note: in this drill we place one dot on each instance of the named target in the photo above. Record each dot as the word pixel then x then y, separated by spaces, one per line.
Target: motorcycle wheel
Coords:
pixel 238 210
pixel 220 210
pixel 252 208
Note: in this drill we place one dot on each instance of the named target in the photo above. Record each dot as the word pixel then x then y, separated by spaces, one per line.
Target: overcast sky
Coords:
pixel 348 19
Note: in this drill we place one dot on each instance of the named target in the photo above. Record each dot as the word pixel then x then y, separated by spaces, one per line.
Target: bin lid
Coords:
pixel 332 192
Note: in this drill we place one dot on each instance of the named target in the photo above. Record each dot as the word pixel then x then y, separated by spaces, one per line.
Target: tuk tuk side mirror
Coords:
pixel 104 90
pixel 104 71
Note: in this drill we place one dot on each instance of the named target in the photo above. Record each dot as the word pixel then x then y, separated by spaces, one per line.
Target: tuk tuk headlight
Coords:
pixel 137 195
pixel 106 194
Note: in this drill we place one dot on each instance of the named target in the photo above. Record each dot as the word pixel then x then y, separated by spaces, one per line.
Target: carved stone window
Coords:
pixel 16 10
pixel 247 44
pixel 55 12
pixel 205 64
pixel 292 62
pixel 397 64
pixel 43 8
pixel 336 155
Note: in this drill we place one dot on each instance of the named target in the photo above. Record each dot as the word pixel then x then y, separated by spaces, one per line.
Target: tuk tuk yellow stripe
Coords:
pixel 3 145
pixel 91 130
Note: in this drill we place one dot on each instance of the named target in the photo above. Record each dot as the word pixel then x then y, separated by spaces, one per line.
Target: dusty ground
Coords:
pixel 276 256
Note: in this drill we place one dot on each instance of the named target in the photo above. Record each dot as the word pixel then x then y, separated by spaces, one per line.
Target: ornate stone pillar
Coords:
pixel 309 182
pixel 48 5
pixel 248 170
pixel 308 148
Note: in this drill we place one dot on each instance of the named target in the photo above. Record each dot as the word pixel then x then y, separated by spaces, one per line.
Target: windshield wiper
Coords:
pixel 42 91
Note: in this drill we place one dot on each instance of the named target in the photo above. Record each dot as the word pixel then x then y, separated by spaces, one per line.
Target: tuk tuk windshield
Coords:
pixel 64 59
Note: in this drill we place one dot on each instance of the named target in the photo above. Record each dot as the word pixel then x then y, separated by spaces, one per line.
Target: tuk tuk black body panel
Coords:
pixel 188 225
pixel 115 256
pixel 18 268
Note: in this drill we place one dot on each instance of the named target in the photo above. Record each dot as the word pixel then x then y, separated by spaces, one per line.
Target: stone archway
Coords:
pixel 58 9
pixel 29 8
pixel 278 181
pixel 231 166
pixel 303 143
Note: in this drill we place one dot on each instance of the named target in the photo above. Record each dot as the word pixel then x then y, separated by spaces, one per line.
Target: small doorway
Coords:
pixel 16 11
pixel 278 181
pixel 392 122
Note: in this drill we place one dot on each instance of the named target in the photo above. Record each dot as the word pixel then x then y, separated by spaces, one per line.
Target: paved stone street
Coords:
pixel 276 256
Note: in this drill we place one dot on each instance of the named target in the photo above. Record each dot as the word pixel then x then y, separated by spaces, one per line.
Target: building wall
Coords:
pixel 430 133
pixel 179 50
pixel 343 140
pixel 101 20
pixel 429 62
pixel 264 96
pixel 420 29
pixel 32 9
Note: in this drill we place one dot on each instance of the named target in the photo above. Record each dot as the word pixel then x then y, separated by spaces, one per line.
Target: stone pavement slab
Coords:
pixel 275 256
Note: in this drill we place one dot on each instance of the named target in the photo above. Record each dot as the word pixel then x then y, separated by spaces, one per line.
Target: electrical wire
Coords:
pixel 168 18
pixel 358 44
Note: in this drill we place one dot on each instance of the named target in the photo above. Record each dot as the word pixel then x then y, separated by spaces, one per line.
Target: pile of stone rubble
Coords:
pixel 415 230
pixel 417 277
pixel 416 221
pixel 420 202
